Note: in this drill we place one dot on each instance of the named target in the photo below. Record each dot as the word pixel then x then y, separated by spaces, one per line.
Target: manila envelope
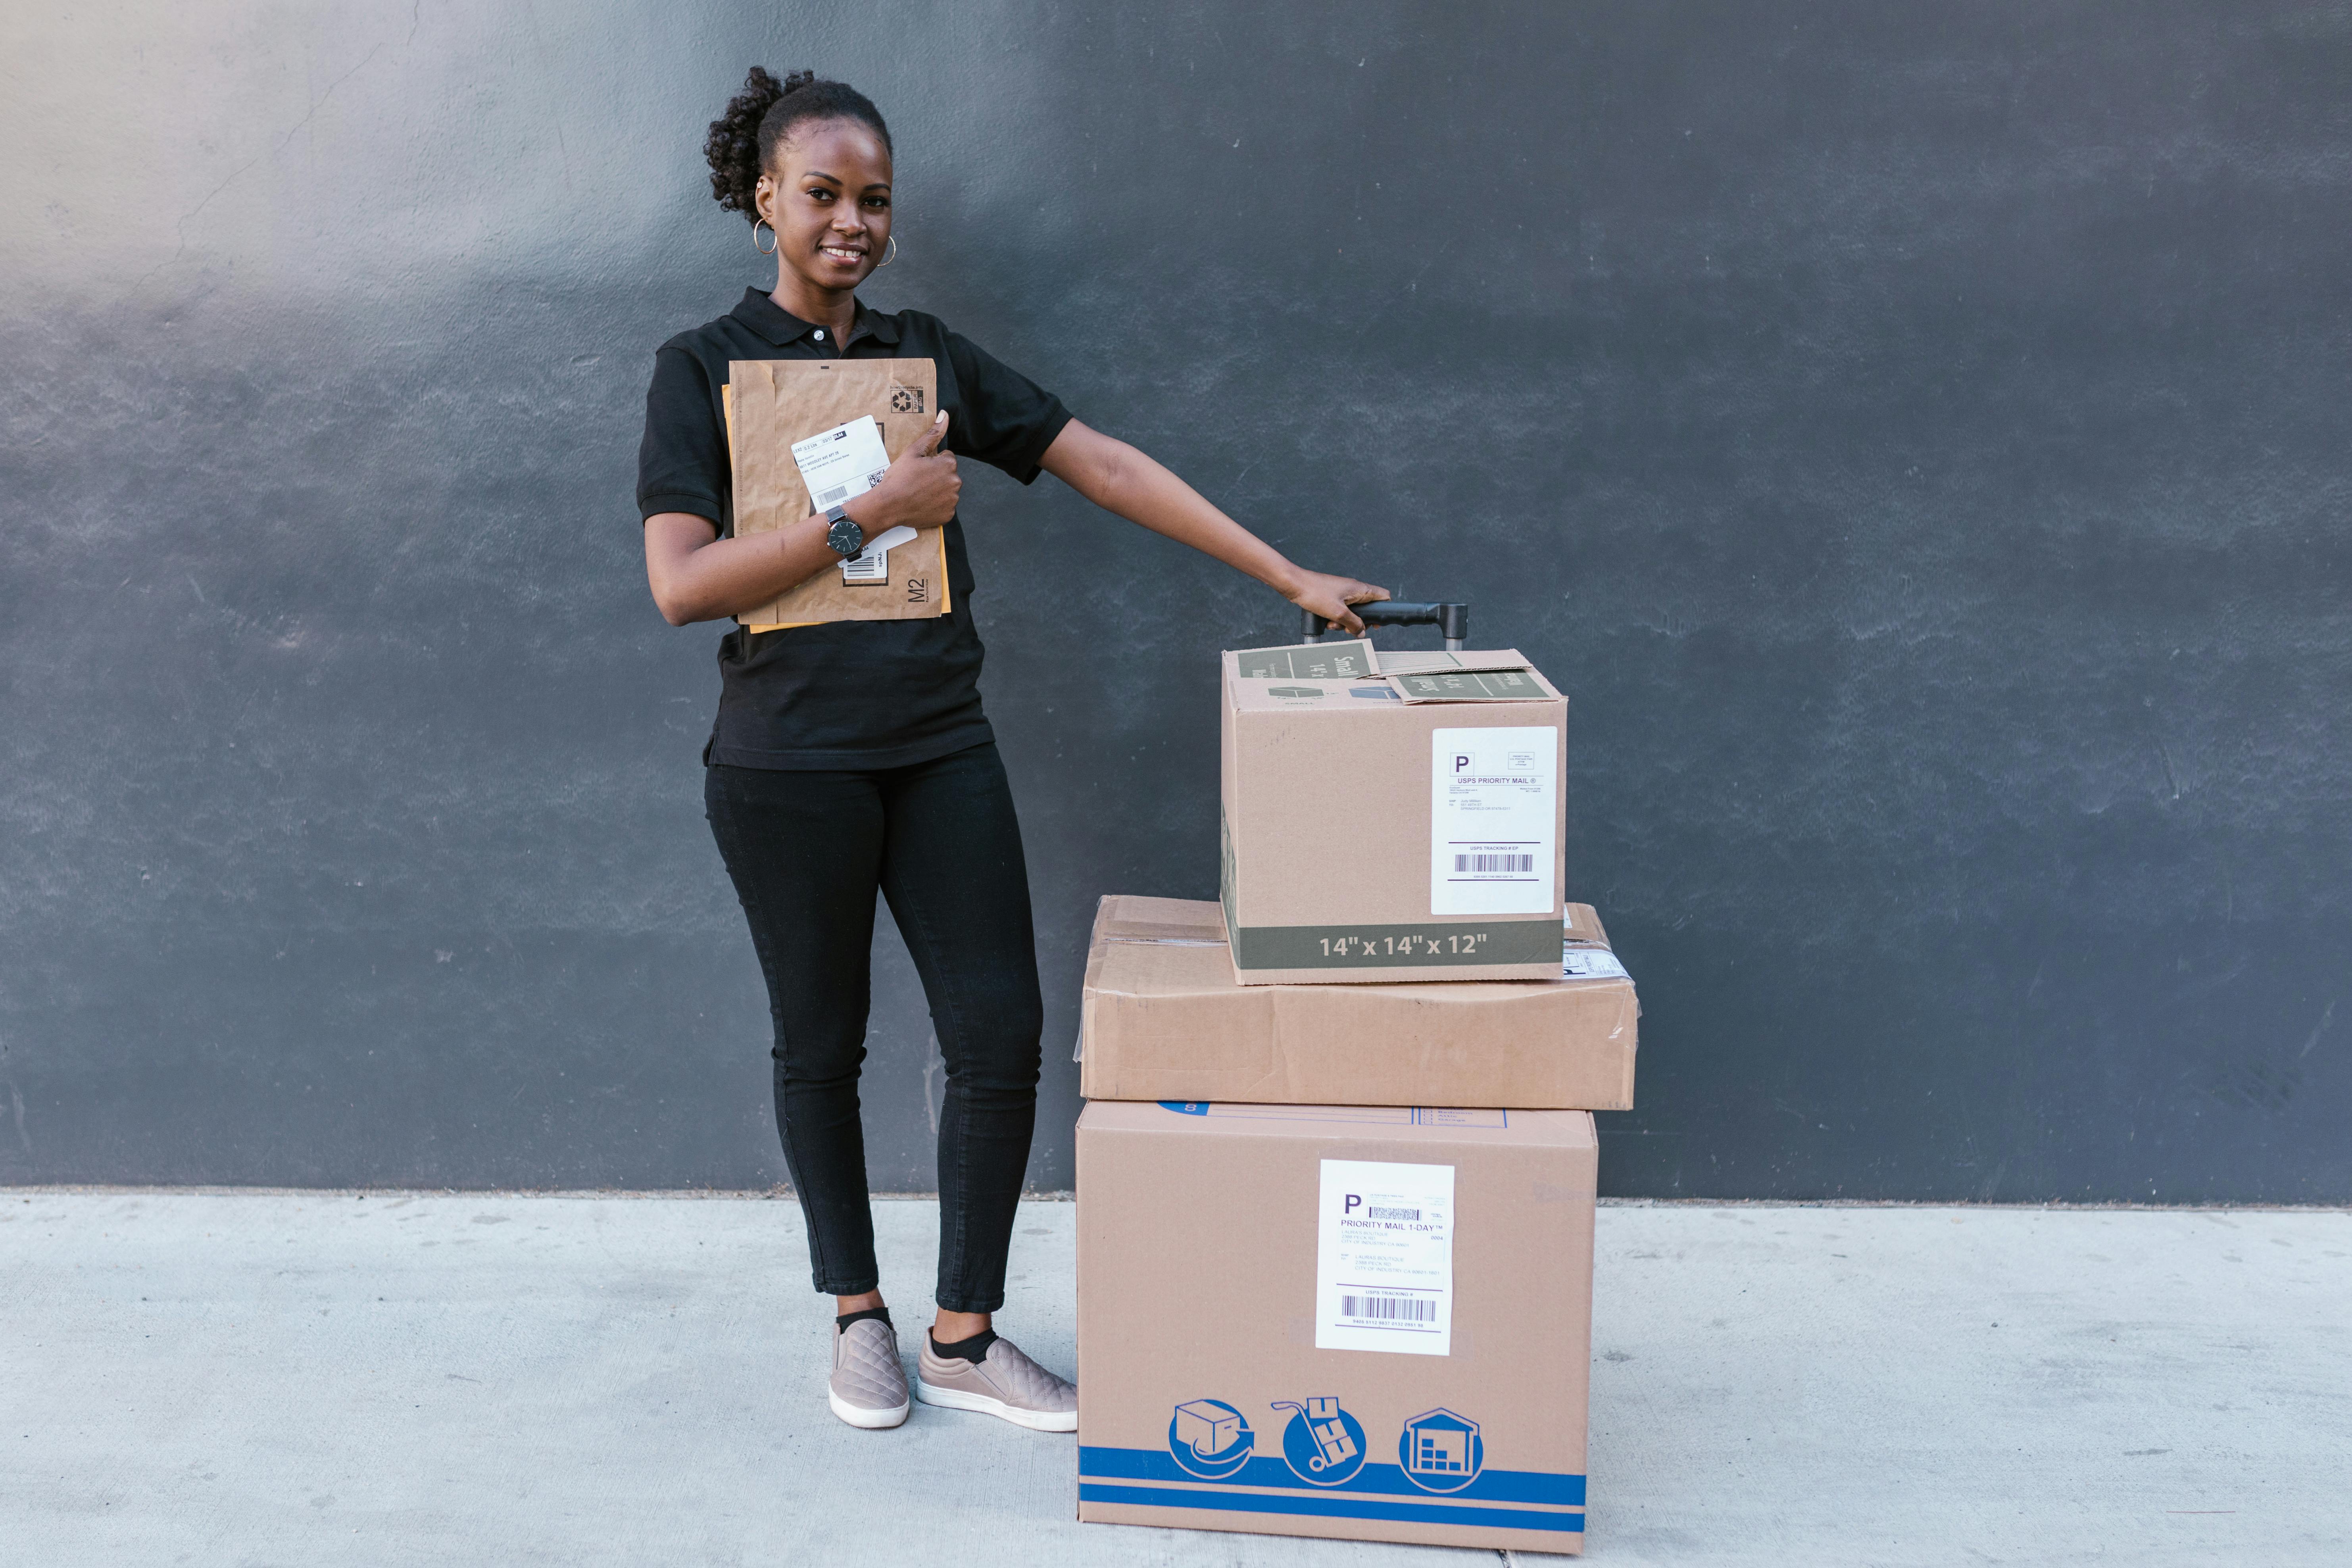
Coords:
pixel 771 404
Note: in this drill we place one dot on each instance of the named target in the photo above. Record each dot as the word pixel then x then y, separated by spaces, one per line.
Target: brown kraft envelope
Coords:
pixel 771 404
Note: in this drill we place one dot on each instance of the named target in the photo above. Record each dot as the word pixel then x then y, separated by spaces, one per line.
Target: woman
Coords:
pixel 853 756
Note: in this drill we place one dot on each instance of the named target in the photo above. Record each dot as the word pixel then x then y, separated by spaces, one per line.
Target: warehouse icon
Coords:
pixel 1440 1451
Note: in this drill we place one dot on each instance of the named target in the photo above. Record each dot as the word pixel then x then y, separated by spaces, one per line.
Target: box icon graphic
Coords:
pixel 1209 1438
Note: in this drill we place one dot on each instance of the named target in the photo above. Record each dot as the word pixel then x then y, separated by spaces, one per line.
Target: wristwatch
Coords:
pixel 842 533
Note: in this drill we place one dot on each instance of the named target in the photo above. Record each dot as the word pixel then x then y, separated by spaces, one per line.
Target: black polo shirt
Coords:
pixel 846 694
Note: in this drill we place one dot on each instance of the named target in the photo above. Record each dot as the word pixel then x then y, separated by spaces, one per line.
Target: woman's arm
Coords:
pixel 697 576
pixel 1118 477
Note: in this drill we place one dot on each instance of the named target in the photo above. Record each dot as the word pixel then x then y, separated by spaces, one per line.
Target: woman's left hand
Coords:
pixel 1329 597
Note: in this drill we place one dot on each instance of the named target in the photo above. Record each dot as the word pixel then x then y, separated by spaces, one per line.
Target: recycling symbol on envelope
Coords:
pixel 906 399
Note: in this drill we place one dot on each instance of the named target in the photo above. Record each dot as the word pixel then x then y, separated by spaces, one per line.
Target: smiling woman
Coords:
pixel 743 146
pixel 852 757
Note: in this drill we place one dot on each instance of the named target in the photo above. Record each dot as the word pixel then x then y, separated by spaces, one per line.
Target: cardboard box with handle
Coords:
pixel 1391 817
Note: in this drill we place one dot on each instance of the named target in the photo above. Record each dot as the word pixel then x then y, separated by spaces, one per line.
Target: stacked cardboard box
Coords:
pixel 1336 1179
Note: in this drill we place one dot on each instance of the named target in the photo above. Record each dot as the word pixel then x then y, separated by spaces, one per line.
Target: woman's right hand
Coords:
pixel 919 490
pixel 1330 597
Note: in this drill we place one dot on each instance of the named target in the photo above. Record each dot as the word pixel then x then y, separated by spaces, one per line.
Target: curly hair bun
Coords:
pixel 743 141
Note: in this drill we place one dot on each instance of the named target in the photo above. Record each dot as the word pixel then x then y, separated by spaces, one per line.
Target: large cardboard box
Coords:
pixel 1368 1322
pixel 1399 828
pixel 1163 1018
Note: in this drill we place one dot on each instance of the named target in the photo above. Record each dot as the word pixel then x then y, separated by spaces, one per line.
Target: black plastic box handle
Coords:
pixel 1451 620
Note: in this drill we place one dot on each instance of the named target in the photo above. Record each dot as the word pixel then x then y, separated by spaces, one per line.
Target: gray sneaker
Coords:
pixel 869 1386
pixel 1003 1383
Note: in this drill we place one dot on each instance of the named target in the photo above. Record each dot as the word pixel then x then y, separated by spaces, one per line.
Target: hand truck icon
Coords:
pixel 1333 1446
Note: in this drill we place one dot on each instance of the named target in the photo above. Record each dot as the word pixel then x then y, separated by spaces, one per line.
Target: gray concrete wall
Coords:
pixel 1917 438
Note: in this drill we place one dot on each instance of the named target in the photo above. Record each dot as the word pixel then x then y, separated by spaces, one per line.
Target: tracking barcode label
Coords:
pixel 1385 1258
pixel 1494 824
pixel 872 564
pixel 841 493
pixel 1409 1309
pixel 1494 865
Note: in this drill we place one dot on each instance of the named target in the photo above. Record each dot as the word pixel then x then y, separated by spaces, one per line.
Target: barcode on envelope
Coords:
pixel 1388 1309
pixel 841 493
pixel 1494 865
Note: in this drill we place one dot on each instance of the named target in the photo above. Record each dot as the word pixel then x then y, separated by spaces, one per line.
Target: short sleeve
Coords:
pixel 1007 420
pixel 682 462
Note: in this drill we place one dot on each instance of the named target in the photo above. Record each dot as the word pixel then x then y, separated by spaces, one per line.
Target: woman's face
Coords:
pixel 827 196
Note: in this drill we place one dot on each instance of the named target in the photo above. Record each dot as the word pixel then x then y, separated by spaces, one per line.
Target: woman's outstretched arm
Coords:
pixel 1119 478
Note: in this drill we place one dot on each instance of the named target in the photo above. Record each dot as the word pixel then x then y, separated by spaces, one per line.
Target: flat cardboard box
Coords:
pixel 1216 1247
pixel 771 404
pixel 1163 1018
pixel 1370 837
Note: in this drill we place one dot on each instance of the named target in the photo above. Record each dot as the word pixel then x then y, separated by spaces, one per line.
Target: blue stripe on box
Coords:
pixel 1336 1504
pixel 1542 1488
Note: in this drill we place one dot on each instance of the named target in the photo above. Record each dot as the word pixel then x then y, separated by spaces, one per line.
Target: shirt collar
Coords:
pixel 780 326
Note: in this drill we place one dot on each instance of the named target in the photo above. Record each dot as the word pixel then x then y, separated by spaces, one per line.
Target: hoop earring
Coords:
pixel 890 254
pixel 769 249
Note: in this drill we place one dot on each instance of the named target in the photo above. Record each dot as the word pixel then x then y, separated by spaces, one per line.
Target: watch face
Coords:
pixel 846 537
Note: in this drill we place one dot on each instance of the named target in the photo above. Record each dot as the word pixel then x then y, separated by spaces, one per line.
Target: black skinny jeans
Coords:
pixel 807 851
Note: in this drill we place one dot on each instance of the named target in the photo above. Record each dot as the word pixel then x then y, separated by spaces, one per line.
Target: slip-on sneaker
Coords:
pixel 868 1387
pixel 1002 1383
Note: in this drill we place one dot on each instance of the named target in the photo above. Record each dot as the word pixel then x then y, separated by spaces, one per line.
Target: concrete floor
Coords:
pixel 262 1379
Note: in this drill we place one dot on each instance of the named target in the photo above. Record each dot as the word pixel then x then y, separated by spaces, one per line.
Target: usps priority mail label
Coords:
pixel 1385 1258
pixel 1491 815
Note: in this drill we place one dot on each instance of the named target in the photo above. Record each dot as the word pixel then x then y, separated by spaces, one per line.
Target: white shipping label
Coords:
pixel 872 564
pixel 1590 963
pixel 1492 818
pixel 1385 1259
pixel 844 461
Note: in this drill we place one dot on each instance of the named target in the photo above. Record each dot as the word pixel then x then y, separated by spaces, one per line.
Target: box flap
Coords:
pixel 1399 661
pixel 1304 661
pixel 1134 918
pixel 1504 677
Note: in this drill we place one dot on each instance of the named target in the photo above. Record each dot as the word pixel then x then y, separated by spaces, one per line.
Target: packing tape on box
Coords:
pixel 1164 932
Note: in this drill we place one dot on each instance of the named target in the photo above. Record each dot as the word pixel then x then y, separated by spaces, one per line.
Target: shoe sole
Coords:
pixel 986 1405
pixel 861 1415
